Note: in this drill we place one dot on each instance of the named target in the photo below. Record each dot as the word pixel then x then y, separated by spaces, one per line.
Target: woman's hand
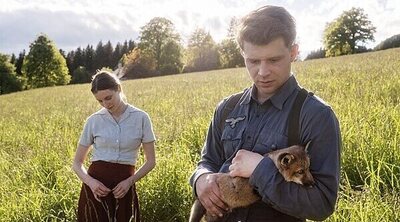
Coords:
pixel 98 189
pixel 122 188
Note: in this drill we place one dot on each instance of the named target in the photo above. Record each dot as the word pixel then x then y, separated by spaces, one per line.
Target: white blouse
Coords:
pixel 117 142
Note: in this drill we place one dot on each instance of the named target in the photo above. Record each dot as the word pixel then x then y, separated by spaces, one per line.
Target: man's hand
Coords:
pixel 244 163
pixel 208 193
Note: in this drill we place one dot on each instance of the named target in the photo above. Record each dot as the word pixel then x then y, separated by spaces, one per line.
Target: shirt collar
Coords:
pixel 124 115
pixel 247 96
pixel 129 109
pixel 279 98
pixel 284 92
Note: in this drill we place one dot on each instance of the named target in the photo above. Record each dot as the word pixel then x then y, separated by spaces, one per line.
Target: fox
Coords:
pixel 293 164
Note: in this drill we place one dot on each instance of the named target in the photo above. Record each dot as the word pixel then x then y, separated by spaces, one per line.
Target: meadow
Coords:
pixel 40 130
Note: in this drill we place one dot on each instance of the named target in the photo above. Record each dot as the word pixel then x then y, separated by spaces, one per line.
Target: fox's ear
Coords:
pixel 285 159
pixel 307 145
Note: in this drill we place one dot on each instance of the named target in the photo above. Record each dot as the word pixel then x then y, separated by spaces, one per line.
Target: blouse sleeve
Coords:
pixel 87 138
pixel 148 134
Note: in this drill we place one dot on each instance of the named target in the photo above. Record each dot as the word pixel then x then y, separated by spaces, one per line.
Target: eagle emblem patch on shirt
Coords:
pixel 232 121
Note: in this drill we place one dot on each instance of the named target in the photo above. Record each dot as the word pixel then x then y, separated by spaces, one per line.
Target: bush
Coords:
pixel 9 81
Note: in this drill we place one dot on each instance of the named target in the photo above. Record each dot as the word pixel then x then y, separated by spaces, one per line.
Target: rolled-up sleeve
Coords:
pixel 212 154
pixel 318 202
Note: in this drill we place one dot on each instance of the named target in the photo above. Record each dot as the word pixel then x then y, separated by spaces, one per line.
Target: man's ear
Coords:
pixel 294 52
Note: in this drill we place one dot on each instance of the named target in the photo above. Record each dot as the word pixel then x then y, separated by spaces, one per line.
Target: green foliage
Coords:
pixel 19 62
pixel 40 130
pixel 202 53
pixel 345 34
pixel 100 56
pixel 388 43
pixel 138 64
pixel 103 56
pixel 171 58
pixel 317 54
pixel 44 65
pixel 158 38
pixel 80 75
pixel 230 54
pixel 229 48
pixel 9 82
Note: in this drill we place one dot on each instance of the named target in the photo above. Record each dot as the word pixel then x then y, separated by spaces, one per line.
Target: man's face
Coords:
pixel 268 65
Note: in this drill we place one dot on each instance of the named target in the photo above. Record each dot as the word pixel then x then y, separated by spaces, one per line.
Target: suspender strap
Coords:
pixel 229 106
pixel 294 116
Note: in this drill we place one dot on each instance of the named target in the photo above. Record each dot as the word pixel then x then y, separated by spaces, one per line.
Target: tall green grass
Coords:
pixel 40 130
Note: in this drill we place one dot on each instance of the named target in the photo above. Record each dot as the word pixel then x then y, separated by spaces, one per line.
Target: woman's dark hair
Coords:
pixel 103 80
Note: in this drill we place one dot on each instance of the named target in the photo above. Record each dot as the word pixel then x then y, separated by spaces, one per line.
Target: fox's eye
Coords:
pixel 300 172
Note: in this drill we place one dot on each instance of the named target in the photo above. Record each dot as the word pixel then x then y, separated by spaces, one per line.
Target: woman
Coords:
pixel 116 133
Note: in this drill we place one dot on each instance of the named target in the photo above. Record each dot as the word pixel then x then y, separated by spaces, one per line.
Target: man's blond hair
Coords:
pixel 266 24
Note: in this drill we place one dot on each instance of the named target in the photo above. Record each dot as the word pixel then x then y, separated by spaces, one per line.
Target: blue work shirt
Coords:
pixel 265 128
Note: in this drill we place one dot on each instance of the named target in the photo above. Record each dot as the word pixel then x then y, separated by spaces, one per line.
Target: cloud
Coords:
pixel 71 24
pixel 68 29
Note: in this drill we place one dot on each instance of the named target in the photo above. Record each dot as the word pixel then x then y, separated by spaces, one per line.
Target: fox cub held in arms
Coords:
pixel 292 162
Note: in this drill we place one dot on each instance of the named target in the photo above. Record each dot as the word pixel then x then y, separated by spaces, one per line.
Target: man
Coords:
pixel 259 124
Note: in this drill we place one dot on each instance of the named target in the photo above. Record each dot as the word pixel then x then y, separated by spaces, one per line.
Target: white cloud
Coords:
pixel 77 23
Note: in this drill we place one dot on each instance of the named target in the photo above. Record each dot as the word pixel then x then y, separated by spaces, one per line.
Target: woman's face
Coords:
pixel 109 99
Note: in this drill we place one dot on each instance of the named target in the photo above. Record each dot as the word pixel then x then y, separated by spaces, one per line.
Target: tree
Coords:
pixel 44 65
pixel 108 50
pixel 317 54
pixel 13 59
pixel 157 37
pixel 80 75
pixel 79 58
pixel 9 81
pixel 171 58
pixel 99 56
pixel 70 61
pixel 138 64
pixel 116 55
pixel 229 49
pixel 202 53
pixel 345 34
pixel 89 59
pixel 19 62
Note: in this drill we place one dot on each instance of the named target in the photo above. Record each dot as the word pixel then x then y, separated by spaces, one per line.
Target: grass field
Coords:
pixel 40 130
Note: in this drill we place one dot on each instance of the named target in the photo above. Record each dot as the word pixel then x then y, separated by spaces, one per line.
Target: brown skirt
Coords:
pixel 109 209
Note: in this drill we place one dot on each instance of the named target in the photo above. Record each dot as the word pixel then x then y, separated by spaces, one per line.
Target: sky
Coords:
pixel 72 24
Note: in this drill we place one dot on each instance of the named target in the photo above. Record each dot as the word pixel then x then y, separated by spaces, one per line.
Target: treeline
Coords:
pixel 159 51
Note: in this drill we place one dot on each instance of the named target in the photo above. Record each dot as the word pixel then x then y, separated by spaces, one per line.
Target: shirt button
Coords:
pixel 273 147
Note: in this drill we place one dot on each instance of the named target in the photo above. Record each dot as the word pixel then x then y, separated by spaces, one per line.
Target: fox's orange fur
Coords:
pixel 292 162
